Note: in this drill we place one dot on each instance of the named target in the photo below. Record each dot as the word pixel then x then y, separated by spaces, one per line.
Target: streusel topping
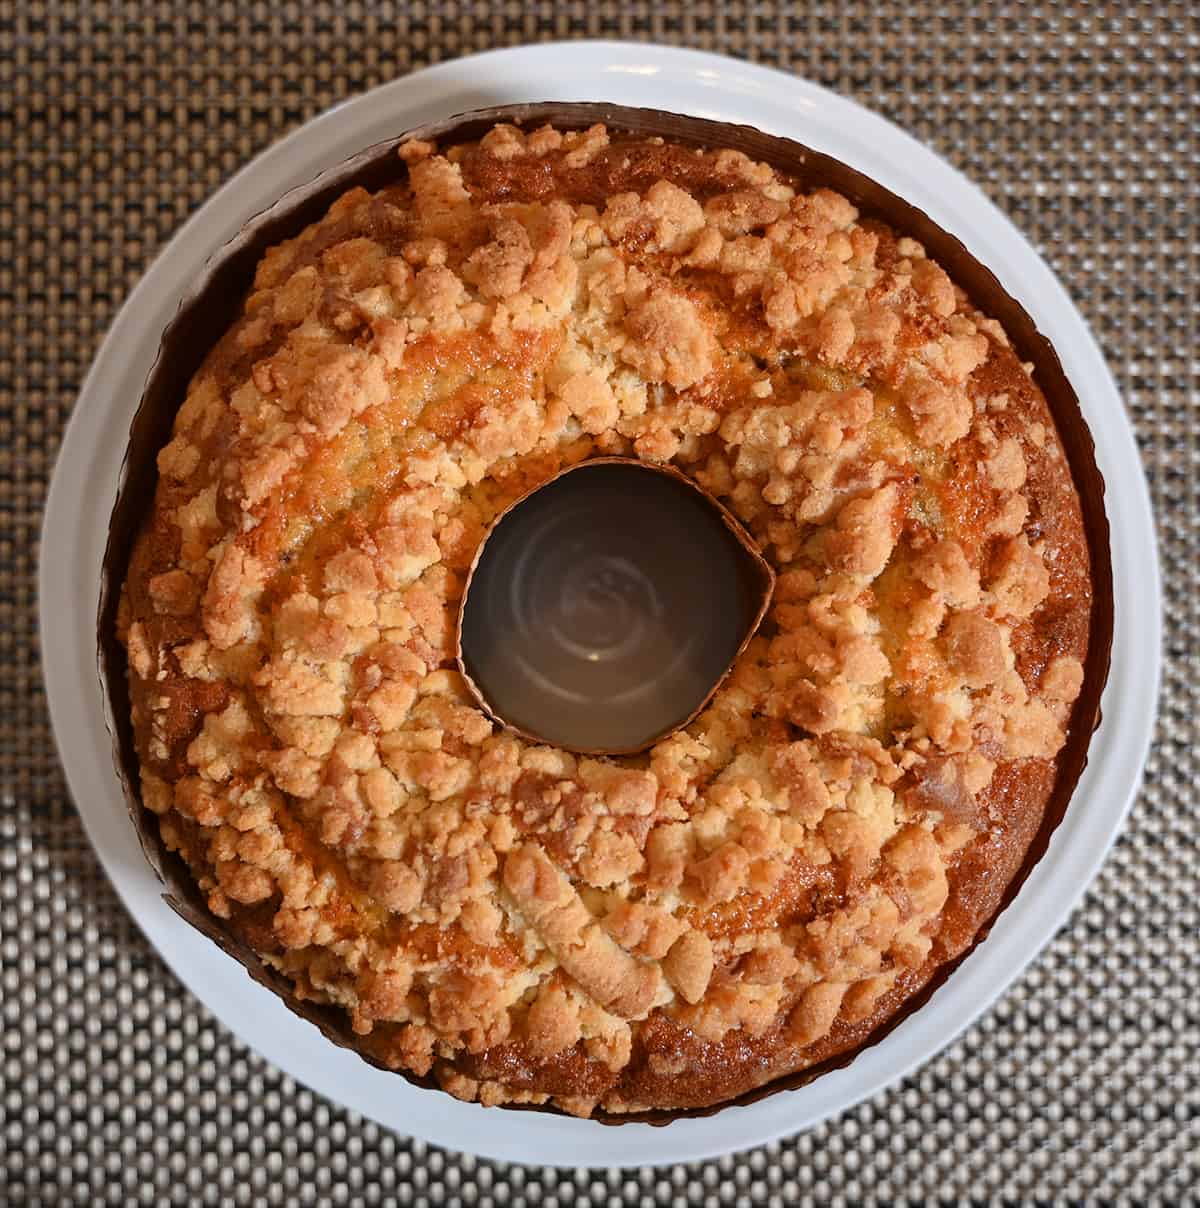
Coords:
pixel 762 888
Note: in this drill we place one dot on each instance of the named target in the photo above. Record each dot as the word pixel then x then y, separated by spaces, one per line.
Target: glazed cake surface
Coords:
pixel 761 890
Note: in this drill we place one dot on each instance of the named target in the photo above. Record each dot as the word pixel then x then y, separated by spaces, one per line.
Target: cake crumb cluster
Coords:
pixel 764 887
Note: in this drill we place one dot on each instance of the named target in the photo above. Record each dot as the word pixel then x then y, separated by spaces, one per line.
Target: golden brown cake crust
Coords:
pixel 761 890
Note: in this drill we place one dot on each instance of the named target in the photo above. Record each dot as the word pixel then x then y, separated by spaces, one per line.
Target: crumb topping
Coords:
pixel 760 889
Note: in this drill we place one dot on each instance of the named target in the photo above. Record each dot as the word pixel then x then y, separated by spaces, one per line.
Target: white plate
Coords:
pixel 83 491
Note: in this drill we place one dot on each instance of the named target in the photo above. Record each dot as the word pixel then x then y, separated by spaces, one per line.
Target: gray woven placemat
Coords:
pixel 117 120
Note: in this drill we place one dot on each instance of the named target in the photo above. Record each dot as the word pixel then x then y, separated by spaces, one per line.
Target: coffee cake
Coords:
pixel 762 889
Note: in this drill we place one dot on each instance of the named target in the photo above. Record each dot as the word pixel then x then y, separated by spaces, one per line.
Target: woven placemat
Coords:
pixel 116 120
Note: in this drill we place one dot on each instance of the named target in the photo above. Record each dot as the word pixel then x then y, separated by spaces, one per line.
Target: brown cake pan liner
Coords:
pixel 756 572
pixel 215 300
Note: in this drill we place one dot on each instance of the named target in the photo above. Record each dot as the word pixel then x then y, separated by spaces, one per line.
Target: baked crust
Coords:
pixel 764 888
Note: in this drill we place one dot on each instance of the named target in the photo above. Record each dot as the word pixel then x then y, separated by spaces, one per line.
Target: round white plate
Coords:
pixel 84 487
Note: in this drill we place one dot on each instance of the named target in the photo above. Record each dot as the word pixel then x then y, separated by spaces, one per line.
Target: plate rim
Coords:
pixel 1074 855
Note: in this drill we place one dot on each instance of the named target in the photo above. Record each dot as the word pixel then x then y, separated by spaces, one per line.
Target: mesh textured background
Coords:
pixel 117 120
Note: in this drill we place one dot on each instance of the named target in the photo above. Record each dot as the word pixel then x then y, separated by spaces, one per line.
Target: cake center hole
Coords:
pixel 606 606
